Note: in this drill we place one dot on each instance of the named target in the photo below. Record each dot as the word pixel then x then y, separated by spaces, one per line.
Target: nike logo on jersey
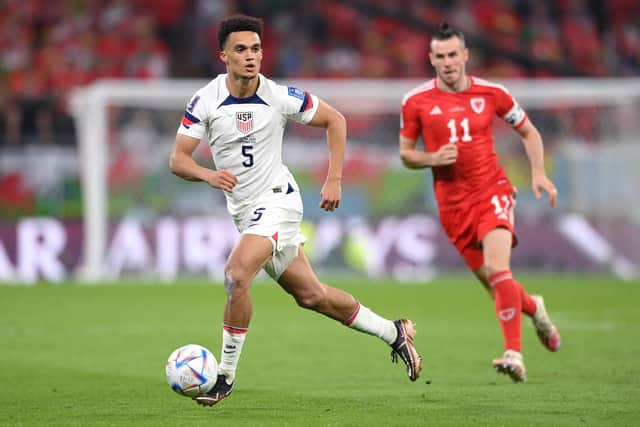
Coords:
pixel 435 111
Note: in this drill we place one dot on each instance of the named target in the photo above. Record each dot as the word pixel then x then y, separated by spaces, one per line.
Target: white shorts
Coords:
pixel 277 215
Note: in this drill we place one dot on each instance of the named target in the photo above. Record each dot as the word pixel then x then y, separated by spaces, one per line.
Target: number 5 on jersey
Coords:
pixel 246 152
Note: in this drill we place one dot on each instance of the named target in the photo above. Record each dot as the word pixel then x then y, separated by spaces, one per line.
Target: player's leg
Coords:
pixel 498 218
pixel 485 258
pixel 247 258
pixel 496 251
pixel 533 306
pixel 299 280
pixel 527 301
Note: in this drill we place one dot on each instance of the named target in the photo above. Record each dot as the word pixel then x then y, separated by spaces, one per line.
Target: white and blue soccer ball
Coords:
pixel 191 370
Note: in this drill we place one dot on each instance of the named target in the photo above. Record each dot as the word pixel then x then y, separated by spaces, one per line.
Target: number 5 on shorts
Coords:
pixel 258 214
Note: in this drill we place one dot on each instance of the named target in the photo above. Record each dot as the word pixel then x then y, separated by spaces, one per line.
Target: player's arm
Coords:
pixel 183 165
pixel 535 152
pixel 334 122
pixel 413 158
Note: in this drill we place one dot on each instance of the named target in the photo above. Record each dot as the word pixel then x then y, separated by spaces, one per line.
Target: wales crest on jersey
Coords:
pixel 244 121
pixel 477 105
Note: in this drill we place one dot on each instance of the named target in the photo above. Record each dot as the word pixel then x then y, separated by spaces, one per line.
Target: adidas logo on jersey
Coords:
pixel 435 111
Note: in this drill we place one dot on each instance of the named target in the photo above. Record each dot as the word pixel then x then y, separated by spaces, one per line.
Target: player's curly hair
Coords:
pixel 445 32
pixel 236 23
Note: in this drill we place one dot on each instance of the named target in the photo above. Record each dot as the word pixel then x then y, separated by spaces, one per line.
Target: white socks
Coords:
pixel 365 320
pixel 232 342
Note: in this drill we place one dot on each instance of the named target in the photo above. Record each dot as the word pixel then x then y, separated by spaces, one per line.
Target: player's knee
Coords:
pixel 235 281
pixel 311 299
pixel 490 268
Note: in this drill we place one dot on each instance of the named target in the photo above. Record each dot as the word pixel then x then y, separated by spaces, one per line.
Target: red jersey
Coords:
pixel 464 118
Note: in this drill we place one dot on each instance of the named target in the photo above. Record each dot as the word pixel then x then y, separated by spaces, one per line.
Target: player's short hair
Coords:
pixel 445 32
pixel 236 23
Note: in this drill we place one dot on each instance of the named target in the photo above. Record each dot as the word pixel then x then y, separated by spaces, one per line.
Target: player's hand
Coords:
pixel 539 182
pixel 222 179
pixel 446 155
pixel 330 195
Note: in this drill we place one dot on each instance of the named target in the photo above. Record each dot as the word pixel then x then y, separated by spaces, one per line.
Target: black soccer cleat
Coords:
pixel 220 390
pixel 403 346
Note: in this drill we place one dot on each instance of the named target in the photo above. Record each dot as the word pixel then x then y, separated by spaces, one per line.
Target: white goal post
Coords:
pixel 90 107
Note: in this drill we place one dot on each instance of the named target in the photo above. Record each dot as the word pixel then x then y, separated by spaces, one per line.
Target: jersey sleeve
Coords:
pixel 508 108
pixel 193 119
pixel 297 105
pixel 410 126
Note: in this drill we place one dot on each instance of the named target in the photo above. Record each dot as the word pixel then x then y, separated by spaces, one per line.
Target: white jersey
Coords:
pixel 245 134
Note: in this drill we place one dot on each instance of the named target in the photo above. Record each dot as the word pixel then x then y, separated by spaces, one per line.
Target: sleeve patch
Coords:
pixel 515 116
pixel 296 93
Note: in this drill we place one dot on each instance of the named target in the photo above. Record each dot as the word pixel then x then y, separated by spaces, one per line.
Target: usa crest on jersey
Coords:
pixel 244 121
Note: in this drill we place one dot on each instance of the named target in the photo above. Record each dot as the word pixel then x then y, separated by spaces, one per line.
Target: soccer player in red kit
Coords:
pixel 453 114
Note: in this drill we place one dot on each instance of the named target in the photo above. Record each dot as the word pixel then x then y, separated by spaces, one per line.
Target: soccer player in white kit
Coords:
pixel 243 115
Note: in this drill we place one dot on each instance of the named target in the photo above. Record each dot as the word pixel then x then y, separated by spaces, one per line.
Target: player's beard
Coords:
pixel 454 79
pixel 451 76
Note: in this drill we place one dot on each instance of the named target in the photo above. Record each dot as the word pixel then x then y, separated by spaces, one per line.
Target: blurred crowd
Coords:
pixel 48 47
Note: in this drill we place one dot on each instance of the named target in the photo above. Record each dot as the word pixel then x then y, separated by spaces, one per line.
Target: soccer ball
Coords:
pixel 191 370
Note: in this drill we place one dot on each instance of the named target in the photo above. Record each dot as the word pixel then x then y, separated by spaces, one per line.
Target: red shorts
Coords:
pixel 466 226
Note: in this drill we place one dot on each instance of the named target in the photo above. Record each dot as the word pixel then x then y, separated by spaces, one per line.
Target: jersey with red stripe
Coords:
pixel 464 118
pixel 245 134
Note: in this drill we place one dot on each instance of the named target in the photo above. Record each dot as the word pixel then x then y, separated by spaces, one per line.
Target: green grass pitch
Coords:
pixel 94 356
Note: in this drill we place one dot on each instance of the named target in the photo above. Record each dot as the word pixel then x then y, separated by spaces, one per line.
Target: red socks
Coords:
pixel 528 304
pixel 508 301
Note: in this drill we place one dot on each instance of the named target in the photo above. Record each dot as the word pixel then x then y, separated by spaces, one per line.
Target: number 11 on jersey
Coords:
pixel 464 124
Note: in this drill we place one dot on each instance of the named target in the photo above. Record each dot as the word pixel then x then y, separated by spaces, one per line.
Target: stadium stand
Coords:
pixel 48 47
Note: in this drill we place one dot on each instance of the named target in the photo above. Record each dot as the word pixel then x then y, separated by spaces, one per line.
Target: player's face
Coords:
pixel 242 54
pixel 449 58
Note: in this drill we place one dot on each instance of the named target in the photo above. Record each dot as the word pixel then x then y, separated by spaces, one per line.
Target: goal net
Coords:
pixel 140 219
